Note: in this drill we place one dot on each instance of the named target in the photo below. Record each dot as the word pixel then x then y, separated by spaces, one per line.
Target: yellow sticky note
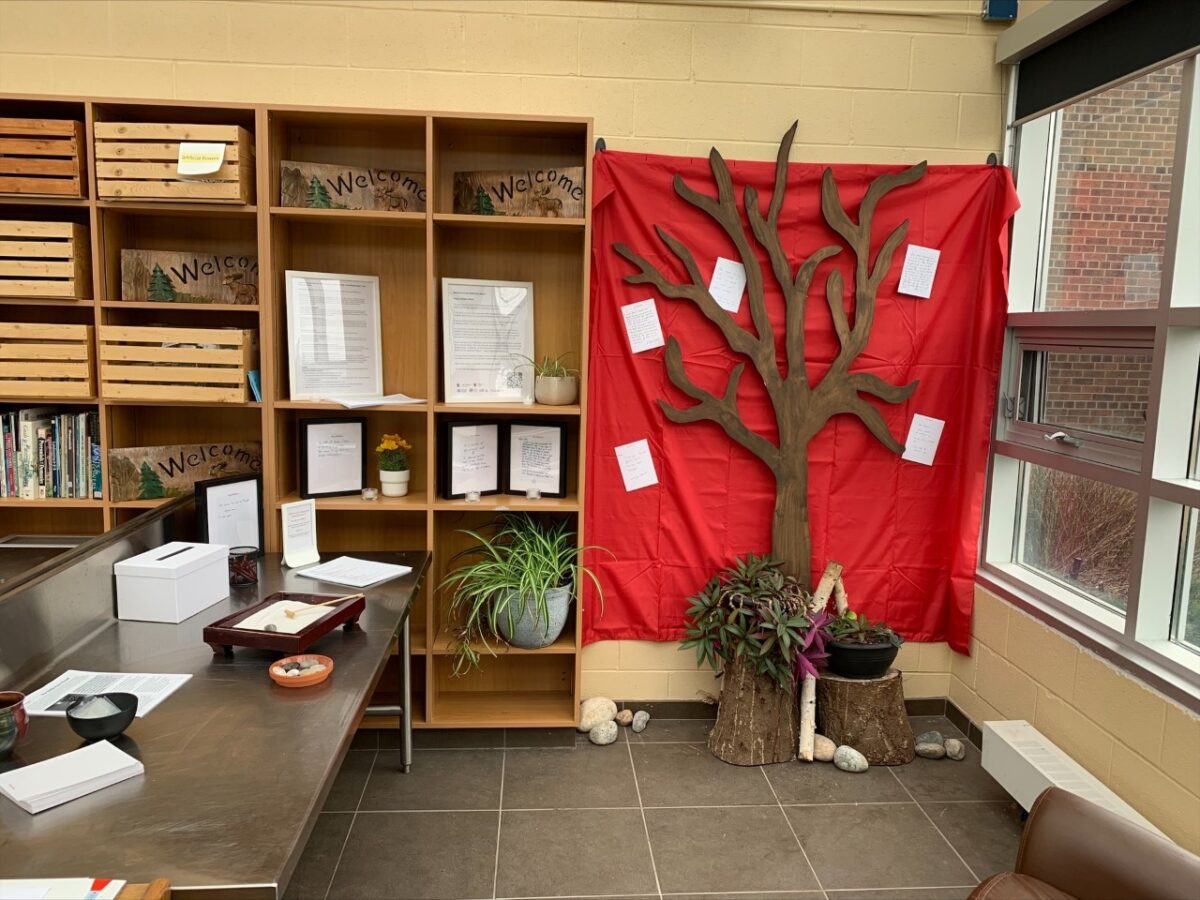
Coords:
pixel 200 159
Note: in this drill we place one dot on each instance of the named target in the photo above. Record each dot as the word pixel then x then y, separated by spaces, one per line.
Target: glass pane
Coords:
pixel 1096 391
pixel 1111 192
pixel 1187 598
pixel 1078 532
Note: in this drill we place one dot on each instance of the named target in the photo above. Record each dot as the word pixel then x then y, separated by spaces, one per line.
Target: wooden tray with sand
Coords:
pixel 286 622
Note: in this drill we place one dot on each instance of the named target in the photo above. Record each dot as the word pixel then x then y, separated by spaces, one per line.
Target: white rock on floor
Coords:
pixel 849 760
pixel 955 749
pixel 604 733
pixel 930 750
pixel 823 748
pixel 595 710
pixel 641 719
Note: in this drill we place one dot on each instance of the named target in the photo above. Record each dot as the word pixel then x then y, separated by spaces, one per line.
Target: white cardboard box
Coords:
pixel 172 582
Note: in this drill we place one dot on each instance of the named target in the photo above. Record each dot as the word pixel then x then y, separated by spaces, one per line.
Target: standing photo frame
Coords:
pixel 333 456
pixel 471 457
pixel 230 511
pixel 536 458
pixel 487 340
pixel 335 345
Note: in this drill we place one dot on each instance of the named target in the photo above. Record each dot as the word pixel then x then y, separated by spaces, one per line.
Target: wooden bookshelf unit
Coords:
pixel 410 250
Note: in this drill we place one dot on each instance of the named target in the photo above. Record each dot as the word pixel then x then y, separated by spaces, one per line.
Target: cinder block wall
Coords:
pixel 662 78
pixel 1142 745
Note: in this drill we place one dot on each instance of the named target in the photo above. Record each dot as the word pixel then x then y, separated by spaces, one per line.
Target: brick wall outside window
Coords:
pixel 1103 393
pixel 1116 151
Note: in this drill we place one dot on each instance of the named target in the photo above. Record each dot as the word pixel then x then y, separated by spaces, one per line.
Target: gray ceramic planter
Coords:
pixel 555 391
pixel 527 631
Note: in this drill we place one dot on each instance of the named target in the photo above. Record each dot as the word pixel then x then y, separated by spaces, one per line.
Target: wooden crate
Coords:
pixel 212 364
pixel 45 259
pixel 46 361
pixel 41 157
pixel 138 161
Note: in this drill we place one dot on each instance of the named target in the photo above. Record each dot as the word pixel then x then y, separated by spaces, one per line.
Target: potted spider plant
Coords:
pixel 515 585
pixel 860 648
pixel 553 383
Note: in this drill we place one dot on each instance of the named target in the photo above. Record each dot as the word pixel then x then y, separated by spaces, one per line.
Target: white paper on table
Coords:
pixel 233 513
pixel 359 573
pixel 923 436
pixel 57 889
pixel 32 890
pixel 920 266
pixel 474 459
pixel 335 456
pixel 300 533
pixel 196 158
pixel 637 465
pixel 334 337
pixel 642 325
pixel 728 284
pixel 151 689
pixel 364 402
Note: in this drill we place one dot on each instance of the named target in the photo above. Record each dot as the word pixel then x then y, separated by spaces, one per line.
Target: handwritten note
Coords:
pixel 728 284
pixel 637 465
pixel 920 265
pixel 923 436
pixel 642 325
pixel 300 533
pixel 199 159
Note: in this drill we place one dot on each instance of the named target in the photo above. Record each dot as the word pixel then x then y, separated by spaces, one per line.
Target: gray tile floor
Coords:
pixel 509 815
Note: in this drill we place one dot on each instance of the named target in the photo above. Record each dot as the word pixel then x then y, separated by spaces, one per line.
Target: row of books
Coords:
pixel 46 453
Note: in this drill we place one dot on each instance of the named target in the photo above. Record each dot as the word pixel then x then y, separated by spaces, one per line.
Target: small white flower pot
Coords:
pixel 555 391
pixel 394 484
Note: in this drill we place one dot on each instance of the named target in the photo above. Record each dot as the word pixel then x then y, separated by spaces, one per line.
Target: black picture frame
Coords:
pixel 203 508
pixel 509 428
pixel 306 489
pixel 445 469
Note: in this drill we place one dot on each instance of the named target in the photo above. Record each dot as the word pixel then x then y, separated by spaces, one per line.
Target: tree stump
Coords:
pixel 868 715
pixel 756 720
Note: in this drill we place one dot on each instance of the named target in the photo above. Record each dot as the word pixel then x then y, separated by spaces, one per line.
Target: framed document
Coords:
pixel 470 459
pixel 230 511
pixel 537 458
pixel 333 456
pixel 487 340
pixel 334 344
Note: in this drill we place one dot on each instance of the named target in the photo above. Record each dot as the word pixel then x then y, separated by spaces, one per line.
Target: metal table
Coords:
pixel 237 767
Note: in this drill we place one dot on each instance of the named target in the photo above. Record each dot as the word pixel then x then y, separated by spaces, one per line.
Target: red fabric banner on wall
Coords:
pixel 906 532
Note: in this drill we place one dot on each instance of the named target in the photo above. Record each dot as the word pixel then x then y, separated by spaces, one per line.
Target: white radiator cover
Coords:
pixel 1026 762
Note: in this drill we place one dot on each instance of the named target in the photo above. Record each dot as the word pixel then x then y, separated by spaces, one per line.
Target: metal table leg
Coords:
pixel 405 697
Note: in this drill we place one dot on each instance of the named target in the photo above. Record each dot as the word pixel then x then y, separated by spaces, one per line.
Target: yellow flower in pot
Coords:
pixel 392 453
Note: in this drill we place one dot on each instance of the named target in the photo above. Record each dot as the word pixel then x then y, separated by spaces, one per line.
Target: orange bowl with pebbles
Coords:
pixel 301 671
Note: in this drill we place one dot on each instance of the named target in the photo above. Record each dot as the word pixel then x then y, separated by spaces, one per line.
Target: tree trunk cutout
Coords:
pixel 801 407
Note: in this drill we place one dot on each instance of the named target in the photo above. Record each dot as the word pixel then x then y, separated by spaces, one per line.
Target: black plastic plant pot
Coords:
pixel 860 660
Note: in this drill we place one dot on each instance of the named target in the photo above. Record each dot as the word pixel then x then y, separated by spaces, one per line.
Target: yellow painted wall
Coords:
pixel 1142 745
pixel 666 78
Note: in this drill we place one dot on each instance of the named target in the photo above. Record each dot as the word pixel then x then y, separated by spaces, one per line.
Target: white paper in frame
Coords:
pixel 334 336
pixel 487 340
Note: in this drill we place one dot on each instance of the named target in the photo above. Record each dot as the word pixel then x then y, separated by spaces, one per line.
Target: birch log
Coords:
pixel 830 579
pixel 840 601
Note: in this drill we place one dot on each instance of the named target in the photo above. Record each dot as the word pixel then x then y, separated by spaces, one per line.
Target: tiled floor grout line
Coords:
pixel 642 809
pixel 499 823
pixel 350 830
pixel 791 828
pixel 524 809
pixel 929 818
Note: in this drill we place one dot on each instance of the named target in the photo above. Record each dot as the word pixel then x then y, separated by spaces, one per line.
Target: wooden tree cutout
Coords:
pixel 801 407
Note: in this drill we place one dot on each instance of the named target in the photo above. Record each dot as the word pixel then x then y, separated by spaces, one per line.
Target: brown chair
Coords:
pixel 1074 850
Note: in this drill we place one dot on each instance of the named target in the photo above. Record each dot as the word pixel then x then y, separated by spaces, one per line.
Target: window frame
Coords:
pixel 1162 473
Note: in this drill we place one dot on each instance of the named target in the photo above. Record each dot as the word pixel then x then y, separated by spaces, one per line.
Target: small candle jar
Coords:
pixel 472 496
pixel 527 401
pixel 370 493
pixel 243 566
pixel 533 494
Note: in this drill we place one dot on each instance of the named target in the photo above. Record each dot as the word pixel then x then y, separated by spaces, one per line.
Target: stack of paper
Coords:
pixel 359 573
pixel 68 777
pixel 60 888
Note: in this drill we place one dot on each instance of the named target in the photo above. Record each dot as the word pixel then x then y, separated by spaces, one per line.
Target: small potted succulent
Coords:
pixel 516 586
pixel 392 453
pixel 553 383
pixel 860 648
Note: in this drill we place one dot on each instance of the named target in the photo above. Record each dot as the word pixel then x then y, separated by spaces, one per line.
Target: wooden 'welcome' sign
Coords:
pixel 179 276
pixel 151 473
pixel 541 193
pixel 324 186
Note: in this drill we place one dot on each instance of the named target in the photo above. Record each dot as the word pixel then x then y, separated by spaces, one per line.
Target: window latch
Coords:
pixel 1062 437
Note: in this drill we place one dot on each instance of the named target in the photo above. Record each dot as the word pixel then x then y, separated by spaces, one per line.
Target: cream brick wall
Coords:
pixel 1142 745
pixel 656 77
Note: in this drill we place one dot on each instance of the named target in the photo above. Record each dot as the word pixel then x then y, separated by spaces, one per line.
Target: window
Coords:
pixel 1094 504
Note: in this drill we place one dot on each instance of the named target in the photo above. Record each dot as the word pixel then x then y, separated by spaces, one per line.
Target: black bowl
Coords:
pixel 860 661
pixel 105 727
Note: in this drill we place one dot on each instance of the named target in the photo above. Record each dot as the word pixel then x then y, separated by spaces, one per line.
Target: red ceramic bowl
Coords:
pixel 298 681
pixel 14 721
